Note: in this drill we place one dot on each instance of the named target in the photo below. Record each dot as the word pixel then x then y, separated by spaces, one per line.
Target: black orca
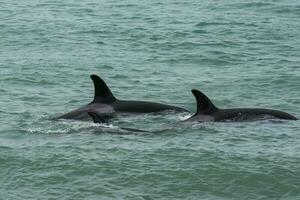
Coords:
pixel 207 111
pixel 105 104
pixel 101 120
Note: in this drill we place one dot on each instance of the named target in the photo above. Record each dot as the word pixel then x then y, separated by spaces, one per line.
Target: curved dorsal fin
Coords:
pixel 204 105
pixel 102 92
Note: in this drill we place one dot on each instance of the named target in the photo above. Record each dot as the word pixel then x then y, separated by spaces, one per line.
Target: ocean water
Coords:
pixel 239 53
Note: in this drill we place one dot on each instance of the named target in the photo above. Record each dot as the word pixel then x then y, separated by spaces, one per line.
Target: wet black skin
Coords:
pixel 105 104
pixel 207 111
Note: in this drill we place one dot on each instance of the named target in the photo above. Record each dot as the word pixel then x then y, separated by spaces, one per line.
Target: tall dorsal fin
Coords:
pixel 102 92
pixel 204 105
pixel 97 118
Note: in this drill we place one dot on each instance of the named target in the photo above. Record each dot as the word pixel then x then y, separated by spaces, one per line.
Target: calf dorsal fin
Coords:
pixel 102 91
pixel 204 105
pixel 97 118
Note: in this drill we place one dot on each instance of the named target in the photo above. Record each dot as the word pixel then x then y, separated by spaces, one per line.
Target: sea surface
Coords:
pixel 239 53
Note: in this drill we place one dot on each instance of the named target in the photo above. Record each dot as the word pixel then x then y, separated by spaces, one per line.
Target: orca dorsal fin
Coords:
pixel 204 105
pixel 102 92
pixel 97 118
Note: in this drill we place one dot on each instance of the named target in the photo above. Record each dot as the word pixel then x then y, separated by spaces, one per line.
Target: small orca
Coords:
pixel 207 111
pixel 101 120
pixel 105 104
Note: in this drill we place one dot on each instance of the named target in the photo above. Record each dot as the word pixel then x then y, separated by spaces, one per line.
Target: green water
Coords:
pixel 239 53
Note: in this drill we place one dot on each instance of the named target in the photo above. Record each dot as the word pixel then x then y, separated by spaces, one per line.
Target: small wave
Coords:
pixel 256 4
pixel 204 24
pixel 41 130
pixel 118 76
pixel 185 117
pixel 295 10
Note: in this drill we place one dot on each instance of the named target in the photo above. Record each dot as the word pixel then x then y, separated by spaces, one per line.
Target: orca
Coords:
pixel 207 111
pixel 107 106
pixel 101 120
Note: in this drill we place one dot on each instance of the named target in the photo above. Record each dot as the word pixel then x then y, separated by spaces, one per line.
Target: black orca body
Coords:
pixel 105 104
pixel 207 111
